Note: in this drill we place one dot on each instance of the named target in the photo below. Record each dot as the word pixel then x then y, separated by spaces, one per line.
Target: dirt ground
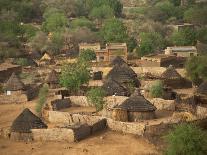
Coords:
pixel 104 143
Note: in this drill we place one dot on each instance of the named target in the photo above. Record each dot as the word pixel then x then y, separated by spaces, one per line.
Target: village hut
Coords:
pixel 97 75
pixel 112 87
pixel 124 75
pixel 52 79
pixel 118 61
pixel 171 78
pixel 46 60
pixel 201 93
pixel 137 107
pixel 13 85
pixel 22 125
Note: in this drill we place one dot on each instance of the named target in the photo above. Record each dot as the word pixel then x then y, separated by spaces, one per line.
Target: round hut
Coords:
pixel 112 87
pixel 22 125
pixel 14 85
pixel 52 79
pixel 124 75
pixel 137 107
pixel 118 61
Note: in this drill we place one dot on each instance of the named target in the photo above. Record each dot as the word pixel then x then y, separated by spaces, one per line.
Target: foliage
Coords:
pixel 196 68
pixel 22 61
pixel 28 31
pixel 42 98
pixel 131 44
pixel 184 37
pixel 96 96
pixel 186 139
pixel 82 22
pixel 87 55
pixel 202 34
pixel 149 43
pixel 74 75
pixel 114 31
pixel 156 90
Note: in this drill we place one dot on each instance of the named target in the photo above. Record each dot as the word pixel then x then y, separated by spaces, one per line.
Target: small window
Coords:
pixel 8 92
pixel 101 58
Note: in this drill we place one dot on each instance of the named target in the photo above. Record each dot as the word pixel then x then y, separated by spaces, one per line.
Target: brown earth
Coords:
pixel 104 143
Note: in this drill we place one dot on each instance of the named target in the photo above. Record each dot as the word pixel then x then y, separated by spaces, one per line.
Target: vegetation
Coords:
pixel 196 68
pixel 42 98
pixel 87 55
pixel 22 62
pixel 96 96
pixel 187 139
pixel 156 90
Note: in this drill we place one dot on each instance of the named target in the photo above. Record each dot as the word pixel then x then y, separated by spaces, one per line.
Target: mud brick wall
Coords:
pixel 201 112
pixel 17 98
pixel 162 104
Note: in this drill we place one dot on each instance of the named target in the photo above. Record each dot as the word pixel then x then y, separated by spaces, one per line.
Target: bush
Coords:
pixel 96 96
pixel 42 97
pixel 186 139
pixel 22 62
pixel 156 90
pixel 87 55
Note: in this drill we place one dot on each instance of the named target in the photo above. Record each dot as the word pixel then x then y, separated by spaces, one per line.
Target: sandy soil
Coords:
pixel 105 143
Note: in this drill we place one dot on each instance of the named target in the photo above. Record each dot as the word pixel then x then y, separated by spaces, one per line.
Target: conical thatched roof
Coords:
pixel 137 103
pixel 123 74
pixel 112 87
pixel 171 73
pixel 14 83
pixel 118 61
pixel 52 77
pixel 202 89
pixel 46 57
pixel 26 121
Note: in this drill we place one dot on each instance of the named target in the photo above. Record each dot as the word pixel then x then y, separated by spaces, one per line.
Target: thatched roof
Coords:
pixel 46 57
pixel 118 61
pixel 14 83
pixel 202 89
pixel 137 103
pixel 112 87
pixel 26 121
pixel 171 73
pixel 123 74
pixel 52 77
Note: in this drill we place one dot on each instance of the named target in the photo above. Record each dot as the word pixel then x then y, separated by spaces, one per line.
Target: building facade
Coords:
pixel 182 51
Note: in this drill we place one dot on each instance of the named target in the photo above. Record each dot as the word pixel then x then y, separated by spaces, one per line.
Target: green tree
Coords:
pixel 156 90
pixel 82 22
pixel 74 75
pixel 202 34
pixel 42 98
pixel 186 139
pixel 184 37
pixel 149 43
pixel 114 31
pixel 196 68
pixel 131 44
pixel 96 97
pixel 87 55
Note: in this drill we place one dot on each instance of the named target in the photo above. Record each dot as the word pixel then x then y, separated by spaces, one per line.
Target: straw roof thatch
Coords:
pixel 123 74
pixel 14 83
pixel 171 73
pixel 118 61
pixel 202 89
pixel 52 78
pixel 46 57
pixel 26 121
pixel 112 87
pixel 137 103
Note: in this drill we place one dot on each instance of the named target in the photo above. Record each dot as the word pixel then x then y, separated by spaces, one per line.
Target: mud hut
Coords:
pixel 22 125
pixel 14 85
pixel 124 75
pixel 137 107
pixel 118 61
pixel 171 78
pixel 97 75
pixel 52 79
pixel 112 87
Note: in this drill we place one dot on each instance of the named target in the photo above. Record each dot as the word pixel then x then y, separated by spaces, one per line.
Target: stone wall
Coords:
pixel 201 112
pixel 162 104
pixel 16 97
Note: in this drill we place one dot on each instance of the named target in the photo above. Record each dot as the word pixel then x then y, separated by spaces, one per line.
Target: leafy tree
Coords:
pixel 114 31
pixel 186 139
pixel 131 44
pixel 96 97
pixel 156 90
pixel 196 68
pixel 82 22
pixel 87 55
pixel 102 12
pixel 74 75
pixel 175 2
pixel 42 98
pixel 149 43
pixel 202 34
pixel 184 37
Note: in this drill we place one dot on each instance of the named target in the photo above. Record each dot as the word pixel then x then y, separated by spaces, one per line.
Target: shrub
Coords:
pixel 87 55
pixel 96 96
pixel 156 90
pixel 22 61
pixel 186 139
pixel 42 97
